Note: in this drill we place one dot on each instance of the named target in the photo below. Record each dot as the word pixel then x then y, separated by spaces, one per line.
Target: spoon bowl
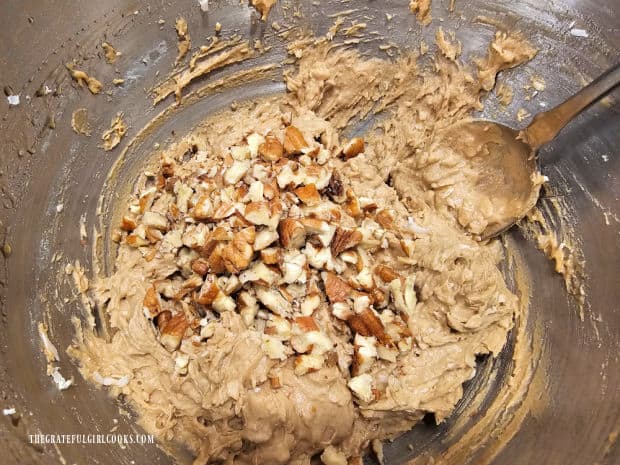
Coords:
pixel 506 158
pixel 507 171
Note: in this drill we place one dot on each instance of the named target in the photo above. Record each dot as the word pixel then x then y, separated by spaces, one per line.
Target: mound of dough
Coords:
pixel 280 292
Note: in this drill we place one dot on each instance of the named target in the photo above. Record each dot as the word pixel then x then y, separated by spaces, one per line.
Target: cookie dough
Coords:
pixel 282 292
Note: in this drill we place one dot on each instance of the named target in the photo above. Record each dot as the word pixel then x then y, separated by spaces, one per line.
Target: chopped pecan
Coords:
pixel 306 323
pixel 271 149
pixel 237 254
pixel 274 301
pixel 258 213
pixel 336 288
pixel 128 223
pixel 386 273
pixel 172 332
pixel 353 148
pixel 352 204
pixel 153 235
pixel 308 194
pixel 308 363
pixel 335 188
pixel 208 292
pixel 163 318
pixel 136 241
pixel 200 266
pixel 344 239
pixel 292 233
pixel 215 259
pixel 271 256
pixel 367 323
pixel 385 219
pixel 248 234
pixel 223 211
pixel 274 382
pixel 294 141
pixel 151 302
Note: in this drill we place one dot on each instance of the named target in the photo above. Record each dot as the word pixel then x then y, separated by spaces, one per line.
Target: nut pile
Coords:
pixel 273 231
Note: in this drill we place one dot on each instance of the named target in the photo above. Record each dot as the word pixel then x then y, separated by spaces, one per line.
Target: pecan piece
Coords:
pixel 344 239
pixel 294 141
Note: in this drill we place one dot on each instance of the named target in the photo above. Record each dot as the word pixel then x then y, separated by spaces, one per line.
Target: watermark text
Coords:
pixel 110 438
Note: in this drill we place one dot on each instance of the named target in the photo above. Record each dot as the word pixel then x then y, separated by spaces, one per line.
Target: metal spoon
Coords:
pixel 511 167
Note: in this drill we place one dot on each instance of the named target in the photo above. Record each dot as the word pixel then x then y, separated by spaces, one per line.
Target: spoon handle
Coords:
pixel 546 125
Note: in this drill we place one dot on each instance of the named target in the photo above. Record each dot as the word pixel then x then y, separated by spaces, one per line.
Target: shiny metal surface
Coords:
pixel 578 414
pixel 511 160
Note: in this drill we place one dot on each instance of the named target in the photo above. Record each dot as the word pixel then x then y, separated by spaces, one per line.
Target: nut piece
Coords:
pixel 319 258
pixel 294 141
pixel 255 192
pixel 183 193
pixel 271 149
pixel 361 386
pixel 259 273
pixel 162 319
pixel 173 331
pixel 308 363
pixel 271 256
pixel 254 142
pixel 404 296
pixel 293 267
pixel 274 382
pixel 248 307
pixel 224 211
pixel 215 259
pixel 128 223
pixel 208 292
pixel 344 239
pixel 306 323
pixel 237 254
pixel 365 354
pixel 242 152
pixel 258 213
pixel 385 219
pixel 308 195
pixel 200 266
pixel 336 288
pixel 353 148
pixel 313 225
pixel 273 348
pixel 386 273
pixel 274 301
pixel 335 188
pixel 224 303
pixel 332 456
pixel 155 220
pixel 310 304
pixel 308 340
pixel 264 239
pixel 236 171
pixel 342 310
pixel 324 231
pixel 352 205
pixel 278 327
pixel 203 210
pixel 135 240
pixel 367 323
pixel 151 303
pixel 292 233
pixel 248 234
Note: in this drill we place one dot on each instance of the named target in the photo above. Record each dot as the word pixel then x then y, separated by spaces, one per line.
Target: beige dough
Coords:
pixel 224 391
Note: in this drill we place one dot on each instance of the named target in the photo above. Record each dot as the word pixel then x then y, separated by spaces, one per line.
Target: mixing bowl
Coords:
pixel 560 368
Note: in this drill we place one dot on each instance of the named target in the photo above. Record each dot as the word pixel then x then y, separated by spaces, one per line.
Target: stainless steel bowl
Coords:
pixel 569 410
